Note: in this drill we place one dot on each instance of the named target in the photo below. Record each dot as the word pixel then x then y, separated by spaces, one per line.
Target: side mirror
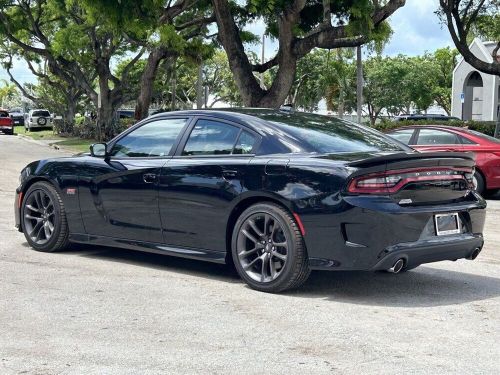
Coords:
pixel 98 150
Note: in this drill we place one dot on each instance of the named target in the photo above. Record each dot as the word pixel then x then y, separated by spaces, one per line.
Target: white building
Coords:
pixel 475 94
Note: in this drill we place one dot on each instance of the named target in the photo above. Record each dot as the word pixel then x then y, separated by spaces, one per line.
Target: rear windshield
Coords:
pixel 4 114
pixel 325 134
pixel 482 135
pixel 41 113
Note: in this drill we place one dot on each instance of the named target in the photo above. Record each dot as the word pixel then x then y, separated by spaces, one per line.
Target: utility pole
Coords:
pixel 199 86
pixel 262 57
pixel 174 89
pixel 359 83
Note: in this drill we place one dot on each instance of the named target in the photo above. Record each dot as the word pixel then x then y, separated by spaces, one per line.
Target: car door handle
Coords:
pixel 229 173
pixel 149 178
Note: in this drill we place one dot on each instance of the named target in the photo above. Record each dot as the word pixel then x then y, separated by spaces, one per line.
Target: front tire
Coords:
pixel 43 218
pixel 268 250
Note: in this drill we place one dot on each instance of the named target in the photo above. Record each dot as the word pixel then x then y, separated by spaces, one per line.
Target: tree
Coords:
pixel 341 82
pixel 444 61
pixel 70 40
pixel 49 85
pixel 309 85
pixel 220 81
pixel 165 29
pixel 299 26
pixel 465 18
pixel 9 95
pixel 383 81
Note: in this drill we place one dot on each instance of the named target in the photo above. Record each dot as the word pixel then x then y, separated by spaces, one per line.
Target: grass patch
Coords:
pixel 36 134
pixel 70 143
pixel 76 144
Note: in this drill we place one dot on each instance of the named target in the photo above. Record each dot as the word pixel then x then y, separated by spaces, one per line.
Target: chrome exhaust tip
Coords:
pixel 474 253
pixel 397 266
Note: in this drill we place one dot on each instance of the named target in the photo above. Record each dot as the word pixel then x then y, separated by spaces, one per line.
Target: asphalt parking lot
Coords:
pixel 107 311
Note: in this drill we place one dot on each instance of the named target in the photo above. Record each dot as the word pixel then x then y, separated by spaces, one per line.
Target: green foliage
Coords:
pixel 220 81
pixel 444 61
pixel 9 95
pixel 487 26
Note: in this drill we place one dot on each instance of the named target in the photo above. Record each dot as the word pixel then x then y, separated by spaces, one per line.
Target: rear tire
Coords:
pixel 43 218
pixel 268 249
pixel 479 182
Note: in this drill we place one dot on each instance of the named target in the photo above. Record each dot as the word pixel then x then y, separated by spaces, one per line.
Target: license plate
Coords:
pixel 447 224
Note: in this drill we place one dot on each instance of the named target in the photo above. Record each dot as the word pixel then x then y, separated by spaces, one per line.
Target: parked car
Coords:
pixel 425 117
pixel 275 193
pixel 17 115
pixel 449 138
pixel 126 113
pixel 38 118
pixel 6 122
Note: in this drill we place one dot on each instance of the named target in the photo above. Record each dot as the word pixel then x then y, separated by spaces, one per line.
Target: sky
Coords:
pixel 416 29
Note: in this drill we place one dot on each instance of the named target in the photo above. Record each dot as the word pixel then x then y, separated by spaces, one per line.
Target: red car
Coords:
pixel 449 138
pixel 6 122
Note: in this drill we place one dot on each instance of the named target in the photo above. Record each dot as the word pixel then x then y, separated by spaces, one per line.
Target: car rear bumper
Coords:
pixel 35 125
pixel 371 233
pixel 428 251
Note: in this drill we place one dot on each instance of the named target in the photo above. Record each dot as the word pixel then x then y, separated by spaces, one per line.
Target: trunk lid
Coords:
pixel 415 178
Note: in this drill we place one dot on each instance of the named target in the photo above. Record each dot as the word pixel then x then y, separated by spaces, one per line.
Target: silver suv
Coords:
pixel 38 118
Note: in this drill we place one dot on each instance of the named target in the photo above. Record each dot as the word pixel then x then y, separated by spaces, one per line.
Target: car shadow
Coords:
pixel 220 272
pixel 422 287
pixel 494 197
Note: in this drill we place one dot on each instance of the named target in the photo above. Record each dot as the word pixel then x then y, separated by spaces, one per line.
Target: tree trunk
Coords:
pixel 199 87
pixel 147 82
pixel 69 114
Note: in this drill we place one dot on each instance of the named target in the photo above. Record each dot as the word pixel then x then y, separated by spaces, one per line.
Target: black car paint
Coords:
pixel 190 208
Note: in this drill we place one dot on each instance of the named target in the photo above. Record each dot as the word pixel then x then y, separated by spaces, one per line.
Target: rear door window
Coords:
pixel 432 137
pixel 210 137
pixel 403 135
pixel 41 114
pixel 245 143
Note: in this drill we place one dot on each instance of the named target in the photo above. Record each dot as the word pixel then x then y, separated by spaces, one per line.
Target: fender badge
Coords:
pixel 71 191
pixel 405 201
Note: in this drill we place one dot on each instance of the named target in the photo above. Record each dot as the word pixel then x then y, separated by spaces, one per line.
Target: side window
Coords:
pixel 436 137
pixel 466 141
pixel 152 139
pixel 211 138
pixel 403 135
pixel 245 143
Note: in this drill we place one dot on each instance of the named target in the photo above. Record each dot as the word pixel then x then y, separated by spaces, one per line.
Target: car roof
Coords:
pixel 444 127
pixel 252 117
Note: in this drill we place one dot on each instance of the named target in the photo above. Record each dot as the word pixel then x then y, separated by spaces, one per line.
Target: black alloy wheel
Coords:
pixel 44 219
pixel 268 249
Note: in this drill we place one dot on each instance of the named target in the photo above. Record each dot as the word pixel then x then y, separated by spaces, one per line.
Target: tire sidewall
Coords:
pixel 480 182
pixel 52 193
pixel 288 269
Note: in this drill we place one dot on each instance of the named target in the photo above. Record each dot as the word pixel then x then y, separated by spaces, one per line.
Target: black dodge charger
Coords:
pixel 275 193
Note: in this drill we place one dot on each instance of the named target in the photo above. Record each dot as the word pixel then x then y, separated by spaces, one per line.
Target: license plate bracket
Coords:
pixel 447 224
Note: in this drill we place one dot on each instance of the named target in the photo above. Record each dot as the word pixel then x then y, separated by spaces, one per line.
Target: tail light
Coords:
pixel 392 181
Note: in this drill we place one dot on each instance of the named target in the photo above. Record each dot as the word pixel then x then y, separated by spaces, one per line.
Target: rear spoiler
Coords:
pixel 428 156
